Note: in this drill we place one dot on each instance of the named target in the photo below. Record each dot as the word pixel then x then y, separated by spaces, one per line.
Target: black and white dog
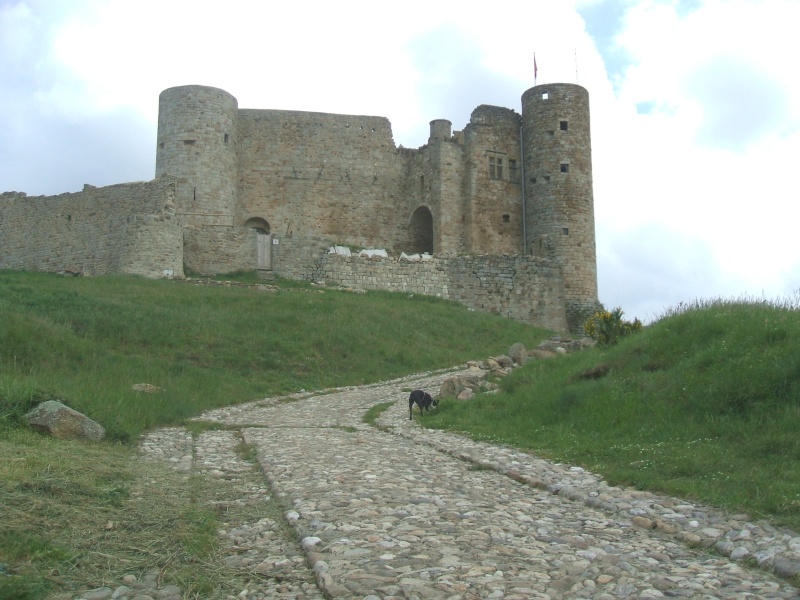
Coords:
pixel 423 400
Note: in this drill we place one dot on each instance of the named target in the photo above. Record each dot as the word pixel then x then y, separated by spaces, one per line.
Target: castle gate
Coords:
pixel 421 230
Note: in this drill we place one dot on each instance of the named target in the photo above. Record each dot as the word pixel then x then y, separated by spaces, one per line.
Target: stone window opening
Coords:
pixel 565 230
pixel 547 177
pixel 513 171
pixel 545 96
pixel 495 167
pixel 563 125
pixel 226 138
pixel 565 167
pixel 506 218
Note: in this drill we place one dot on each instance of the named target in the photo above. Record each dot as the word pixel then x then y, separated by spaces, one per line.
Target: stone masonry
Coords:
pixel 244 189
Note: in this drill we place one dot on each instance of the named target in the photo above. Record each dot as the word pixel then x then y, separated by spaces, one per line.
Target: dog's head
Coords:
pixel 434 401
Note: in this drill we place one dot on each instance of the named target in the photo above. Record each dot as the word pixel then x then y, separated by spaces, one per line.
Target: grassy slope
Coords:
pixel 74 515
pixel 704 404
pixel 87 341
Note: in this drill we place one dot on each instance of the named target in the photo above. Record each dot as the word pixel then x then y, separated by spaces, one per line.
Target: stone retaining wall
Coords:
pixel 523 288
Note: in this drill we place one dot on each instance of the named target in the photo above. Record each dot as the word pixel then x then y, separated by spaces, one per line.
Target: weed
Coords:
pixel 375 411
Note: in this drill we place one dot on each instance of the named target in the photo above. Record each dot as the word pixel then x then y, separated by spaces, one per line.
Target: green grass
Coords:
pixel 703 404
pixel 87 341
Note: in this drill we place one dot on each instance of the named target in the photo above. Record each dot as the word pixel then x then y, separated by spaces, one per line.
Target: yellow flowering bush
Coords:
pixel 607 327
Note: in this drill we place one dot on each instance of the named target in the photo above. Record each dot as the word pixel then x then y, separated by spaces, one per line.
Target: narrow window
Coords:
pixel 161 145
pixel 226 138
pixel 565 230
pixel 563 125
pixel 506 218
pixel 513 173
pixel 189 142
pixel 565 167
pixel 545 96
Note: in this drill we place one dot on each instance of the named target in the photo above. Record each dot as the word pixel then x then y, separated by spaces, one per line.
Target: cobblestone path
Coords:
pixel 398 511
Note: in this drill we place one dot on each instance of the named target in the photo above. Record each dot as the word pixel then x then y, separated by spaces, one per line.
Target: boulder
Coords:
pixel 61 421
pixel 504 361
pixel 451 387
pixel 466 394
pixel 518 353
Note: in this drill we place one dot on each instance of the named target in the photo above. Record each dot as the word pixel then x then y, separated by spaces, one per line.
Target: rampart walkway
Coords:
pixel 404 512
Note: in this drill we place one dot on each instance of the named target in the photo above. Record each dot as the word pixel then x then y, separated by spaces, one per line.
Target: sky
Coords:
pixel 695 107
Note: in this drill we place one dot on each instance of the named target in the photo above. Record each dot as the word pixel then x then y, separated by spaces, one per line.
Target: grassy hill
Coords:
pixel 89 340
pixel 704 403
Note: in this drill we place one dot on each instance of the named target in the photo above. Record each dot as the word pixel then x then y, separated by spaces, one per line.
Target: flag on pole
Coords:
pixel 535 69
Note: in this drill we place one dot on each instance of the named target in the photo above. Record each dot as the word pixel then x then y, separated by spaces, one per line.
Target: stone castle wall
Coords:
pixel 523 288
pixel 505 205
pixel 315 174
pixel 124 228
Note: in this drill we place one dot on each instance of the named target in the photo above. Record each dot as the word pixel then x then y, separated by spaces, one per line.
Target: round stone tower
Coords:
pixel 440 130
pixel 197 144
pixel 559 203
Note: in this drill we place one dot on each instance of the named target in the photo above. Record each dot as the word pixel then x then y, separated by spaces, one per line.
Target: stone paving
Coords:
pixel 399 511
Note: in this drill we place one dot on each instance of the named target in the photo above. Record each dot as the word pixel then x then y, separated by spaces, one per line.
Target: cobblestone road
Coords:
pixel 398 511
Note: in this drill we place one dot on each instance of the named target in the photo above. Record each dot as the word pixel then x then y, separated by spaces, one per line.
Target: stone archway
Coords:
pixel 421 230
pixel 257 223
pixel 263 242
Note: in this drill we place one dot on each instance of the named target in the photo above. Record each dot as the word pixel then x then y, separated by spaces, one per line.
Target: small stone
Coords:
pixel 309 542
pixel 739 553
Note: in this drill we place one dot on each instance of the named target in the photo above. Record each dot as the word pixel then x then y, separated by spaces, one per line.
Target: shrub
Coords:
pixel 607 328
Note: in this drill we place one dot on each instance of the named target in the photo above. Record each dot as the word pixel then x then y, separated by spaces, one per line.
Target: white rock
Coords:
pixel 309 542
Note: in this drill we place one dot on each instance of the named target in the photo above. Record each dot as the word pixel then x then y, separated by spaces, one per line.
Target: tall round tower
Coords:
pixel 197 144
pixel 559 203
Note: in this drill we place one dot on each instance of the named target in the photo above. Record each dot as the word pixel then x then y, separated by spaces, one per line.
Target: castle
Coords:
pixel 505 206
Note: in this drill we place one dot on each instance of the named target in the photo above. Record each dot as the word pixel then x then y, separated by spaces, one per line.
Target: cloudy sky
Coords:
pixel 695 106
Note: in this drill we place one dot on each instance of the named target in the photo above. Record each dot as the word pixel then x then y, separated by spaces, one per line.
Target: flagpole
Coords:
pixel 535 69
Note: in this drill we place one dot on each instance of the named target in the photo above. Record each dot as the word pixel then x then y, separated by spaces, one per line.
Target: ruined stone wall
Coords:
pixel 124 228
pixel 299 257
pixel 522 288
pixel 315 174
